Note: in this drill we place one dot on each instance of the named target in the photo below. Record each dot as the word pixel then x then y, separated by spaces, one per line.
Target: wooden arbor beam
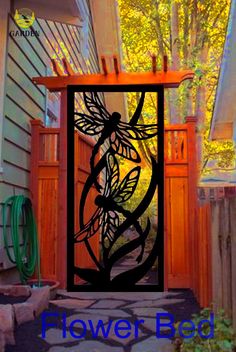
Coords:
pixel 169 79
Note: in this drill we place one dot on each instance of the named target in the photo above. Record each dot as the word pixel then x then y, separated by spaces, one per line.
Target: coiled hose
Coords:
pixel 26 254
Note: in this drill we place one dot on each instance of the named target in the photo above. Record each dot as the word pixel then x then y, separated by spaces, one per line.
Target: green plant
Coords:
pixel 223 340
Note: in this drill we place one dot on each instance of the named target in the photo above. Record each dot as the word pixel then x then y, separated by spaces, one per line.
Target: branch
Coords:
pixel 140 8
pixel 219 14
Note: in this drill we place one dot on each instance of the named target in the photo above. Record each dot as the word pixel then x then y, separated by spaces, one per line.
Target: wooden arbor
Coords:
pixel 59 83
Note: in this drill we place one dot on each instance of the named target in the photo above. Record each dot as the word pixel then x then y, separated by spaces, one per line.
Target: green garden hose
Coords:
pixel 25 255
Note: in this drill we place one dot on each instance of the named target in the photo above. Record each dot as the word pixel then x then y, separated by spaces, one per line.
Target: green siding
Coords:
pixel 16 156
pixel 25 83
pixel 20 96
pixel 16 113
pixel 21 137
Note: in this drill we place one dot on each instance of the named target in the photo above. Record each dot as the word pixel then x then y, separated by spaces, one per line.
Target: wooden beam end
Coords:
pixel 104 65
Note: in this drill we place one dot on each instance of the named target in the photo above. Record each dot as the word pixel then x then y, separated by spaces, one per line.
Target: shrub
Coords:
pixel 223 340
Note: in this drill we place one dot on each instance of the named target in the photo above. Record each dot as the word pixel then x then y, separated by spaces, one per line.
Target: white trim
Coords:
pixel 106 21
pixel 81 14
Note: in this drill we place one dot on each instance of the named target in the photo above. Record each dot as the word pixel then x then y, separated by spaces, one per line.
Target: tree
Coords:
pixel 191 33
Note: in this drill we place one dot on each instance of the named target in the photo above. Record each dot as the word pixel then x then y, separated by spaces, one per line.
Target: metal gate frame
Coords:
pixel 159 242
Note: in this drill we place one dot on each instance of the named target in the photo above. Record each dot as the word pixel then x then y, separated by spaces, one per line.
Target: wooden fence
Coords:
pixel 215 254
pixel 44 186
pixel 180 202
pixel 83 147
pixel 223 234
pixel 44 181
pixel 186 230
pixel 202 255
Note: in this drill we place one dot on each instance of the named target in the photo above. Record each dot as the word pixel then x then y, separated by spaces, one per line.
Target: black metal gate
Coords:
pixel 112 217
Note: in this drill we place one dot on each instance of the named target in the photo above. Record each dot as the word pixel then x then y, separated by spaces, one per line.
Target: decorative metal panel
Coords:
pixel 124 263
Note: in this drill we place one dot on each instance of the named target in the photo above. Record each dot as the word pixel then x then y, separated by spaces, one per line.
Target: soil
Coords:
pixel 5 299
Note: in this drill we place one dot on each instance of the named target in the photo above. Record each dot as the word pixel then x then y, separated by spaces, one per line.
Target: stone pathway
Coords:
pixel 130 261
pixel 106 307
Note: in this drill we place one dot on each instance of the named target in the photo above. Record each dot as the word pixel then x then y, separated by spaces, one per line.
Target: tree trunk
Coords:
pixel 188 42
pixel 175 61
pixel 200 110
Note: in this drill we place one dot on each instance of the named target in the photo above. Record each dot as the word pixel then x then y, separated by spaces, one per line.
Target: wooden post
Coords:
pixel 166 267
pixel 36 125
pixel 61 252
pixel 226 257
pixel 192 198
pixel 217 292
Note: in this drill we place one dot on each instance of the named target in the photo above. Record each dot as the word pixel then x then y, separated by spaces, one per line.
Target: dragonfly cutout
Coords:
pixel 109 204
pixel 109 126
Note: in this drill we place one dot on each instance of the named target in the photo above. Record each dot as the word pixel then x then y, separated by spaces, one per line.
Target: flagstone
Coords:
pixel 124 341
pixel 126 296
pixel 148 312
pixel 85 318
pixel 152 344
pixel 54 337
pixel 105 303
pixel 118 313
pixel 150 324
pixel 88 346
pixel 155 303
pixel 72 303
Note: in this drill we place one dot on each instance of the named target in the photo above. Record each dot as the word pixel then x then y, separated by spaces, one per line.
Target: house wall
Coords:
pixel 28 57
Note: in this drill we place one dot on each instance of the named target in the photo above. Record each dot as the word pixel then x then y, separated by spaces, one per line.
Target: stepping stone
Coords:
pixel 152 344
pixel 54 337
pixel 118 313
pixel 88 346
pixel 124 341
pixel 72 303
pixel 170 301
pixel 147 312
pixel 150 324
pixel 85 317
pixel 108 304
pixel 155 303
pixel 126 296
pixel 127 262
